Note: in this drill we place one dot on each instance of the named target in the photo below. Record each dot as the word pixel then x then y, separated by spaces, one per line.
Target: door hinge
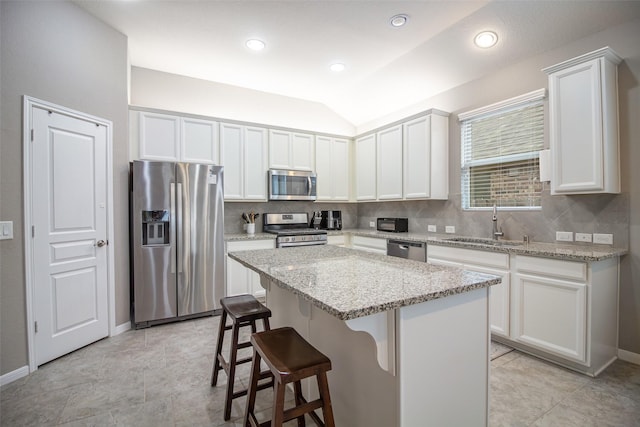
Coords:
pixel 36 326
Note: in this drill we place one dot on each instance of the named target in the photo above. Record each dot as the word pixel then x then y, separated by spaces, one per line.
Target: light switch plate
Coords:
pixel 6 230
pixel 432 228
pixel 564 236
pixel 372 224
pixel 605 239
pixel 450 229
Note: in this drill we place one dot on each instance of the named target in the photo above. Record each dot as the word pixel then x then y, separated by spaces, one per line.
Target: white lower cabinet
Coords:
pixel 338 240
pixel 240 279
pixel 551 315
pixel 482 262
pixel 369 244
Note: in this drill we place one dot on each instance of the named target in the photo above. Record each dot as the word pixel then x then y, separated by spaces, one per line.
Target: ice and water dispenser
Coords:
pixel 155 228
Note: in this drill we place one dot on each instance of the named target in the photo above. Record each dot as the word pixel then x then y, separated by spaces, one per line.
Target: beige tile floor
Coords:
pixel 160 377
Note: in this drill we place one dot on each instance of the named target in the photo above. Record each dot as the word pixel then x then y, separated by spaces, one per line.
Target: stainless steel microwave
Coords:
pixel 291 185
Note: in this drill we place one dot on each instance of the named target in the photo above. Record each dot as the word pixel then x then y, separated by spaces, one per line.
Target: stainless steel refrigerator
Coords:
pixel 177 241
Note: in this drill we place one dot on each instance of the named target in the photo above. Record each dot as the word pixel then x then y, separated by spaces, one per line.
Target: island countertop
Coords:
pixel 349 283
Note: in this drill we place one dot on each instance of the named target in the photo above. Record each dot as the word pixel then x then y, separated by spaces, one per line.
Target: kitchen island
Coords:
pixel 408 341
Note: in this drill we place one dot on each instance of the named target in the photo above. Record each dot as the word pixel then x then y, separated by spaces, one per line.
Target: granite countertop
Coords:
pixel 569 252
pixel 239 237
pixel 349 283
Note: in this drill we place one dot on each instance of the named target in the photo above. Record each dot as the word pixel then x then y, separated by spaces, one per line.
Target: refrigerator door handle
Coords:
pixel 179 230
pixel 172 227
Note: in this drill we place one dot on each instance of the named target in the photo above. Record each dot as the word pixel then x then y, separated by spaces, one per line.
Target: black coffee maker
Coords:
pixel 331 220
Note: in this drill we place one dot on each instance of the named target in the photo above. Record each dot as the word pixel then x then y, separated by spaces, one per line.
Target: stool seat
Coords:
pixel 244 308
pixel 290 359
pixel 288 353
pixel 244 311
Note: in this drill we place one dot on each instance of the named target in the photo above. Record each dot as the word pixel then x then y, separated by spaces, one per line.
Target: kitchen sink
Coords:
pixel 477 241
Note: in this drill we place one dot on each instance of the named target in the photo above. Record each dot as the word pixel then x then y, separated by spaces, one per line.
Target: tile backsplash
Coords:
pixel 601 213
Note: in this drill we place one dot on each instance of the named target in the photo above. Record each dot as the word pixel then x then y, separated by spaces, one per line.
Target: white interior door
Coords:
pixel 69 236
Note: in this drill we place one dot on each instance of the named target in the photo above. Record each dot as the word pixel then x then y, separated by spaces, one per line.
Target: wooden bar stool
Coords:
pixel 244 310
pixel 290 359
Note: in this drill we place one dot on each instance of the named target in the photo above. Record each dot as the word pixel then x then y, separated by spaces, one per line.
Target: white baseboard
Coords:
pixel 12 376
pixel 122 328
pixel 628 356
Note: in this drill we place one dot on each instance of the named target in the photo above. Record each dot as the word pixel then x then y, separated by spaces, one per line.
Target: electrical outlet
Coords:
pixel 450 229
pixel 583 237
pixel 564 236
pixel 372 224
pixel 605 239
pixel 431 228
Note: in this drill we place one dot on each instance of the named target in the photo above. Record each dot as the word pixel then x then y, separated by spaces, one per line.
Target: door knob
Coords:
pixel 101 243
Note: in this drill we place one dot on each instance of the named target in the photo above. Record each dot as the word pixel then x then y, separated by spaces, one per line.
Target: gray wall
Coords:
pixel 56 52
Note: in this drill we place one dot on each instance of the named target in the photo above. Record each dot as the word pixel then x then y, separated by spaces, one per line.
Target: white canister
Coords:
pixel 251 228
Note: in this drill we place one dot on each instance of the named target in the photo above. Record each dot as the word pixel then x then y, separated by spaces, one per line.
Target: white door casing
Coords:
pixel 68 217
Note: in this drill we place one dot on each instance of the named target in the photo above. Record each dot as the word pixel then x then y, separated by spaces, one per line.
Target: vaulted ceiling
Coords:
pixel 386 68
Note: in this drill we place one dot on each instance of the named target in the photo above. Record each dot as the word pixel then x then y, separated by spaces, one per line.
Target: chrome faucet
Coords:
pixel 496 232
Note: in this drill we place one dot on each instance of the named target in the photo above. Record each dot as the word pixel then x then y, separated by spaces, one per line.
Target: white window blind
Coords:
pixel 500 153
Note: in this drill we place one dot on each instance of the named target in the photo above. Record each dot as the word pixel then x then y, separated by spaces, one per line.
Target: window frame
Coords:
pixel 496 109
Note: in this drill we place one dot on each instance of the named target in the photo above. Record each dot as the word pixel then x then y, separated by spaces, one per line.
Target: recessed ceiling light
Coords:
pixel 337 67
pixel 255 44
pixel 398 20
pixel 486 39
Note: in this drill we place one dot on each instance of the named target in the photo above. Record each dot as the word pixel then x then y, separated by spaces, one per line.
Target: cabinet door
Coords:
pixel 366 168
pixel 369 244
pixel 417 158
pixel 389 162
pixel 237 278
pixel 302 151
pixel 499 300
pixel 255 163
pixel 231 148
pixel 576 129
pixel 199 141
pixel 159 137
pixel 550 315
pixel 324 169
pixel 279 149
pixel 340 169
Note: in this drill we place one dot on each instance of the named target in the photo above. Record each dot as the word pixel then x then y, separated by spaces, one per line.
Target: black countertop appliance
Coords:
pixel 331 220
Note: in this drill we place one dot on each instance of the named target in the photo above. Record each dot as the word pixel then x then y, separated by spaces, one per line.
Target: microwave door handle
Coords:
pixel 309 186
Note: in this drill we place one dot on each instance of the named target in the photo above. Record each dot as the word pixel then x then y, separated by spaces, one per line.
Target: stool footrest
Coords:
pixel 305 408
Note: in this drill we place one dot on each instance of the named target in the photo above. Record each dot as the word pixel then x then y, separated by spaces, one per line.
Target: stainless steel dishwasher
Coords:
pixel 404 249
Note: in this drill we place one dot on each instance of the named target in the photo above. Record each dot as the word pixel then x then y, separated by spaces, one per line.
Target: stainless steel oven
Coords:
pixel 292 229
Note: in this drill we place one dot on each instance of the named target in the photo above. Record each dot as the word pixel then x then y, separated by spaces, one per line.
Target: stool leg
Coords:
pixel 327 411
pixel 253 388
pixel 297 392
pixel 216 362
pixel 277 417
pixel 232 370
pixel 265 324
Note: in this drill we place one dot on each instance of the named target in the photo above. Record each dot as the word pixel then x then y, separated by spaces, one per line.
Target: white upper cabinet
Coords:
pixel 167 137
pixel 389 163
pixel 366 168
pixel 244 157
pixel 332 168
pixel 405 162
pixel 426 157
pixel 583 106
pixel 159 137
pixel 291 150
pixel 199 141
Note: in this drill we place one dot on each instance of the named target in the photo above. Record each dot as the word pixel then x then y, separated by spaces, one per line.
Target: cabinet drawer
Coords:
pixel 248 245
pixel 369 243
pixel 469 256
pixel 552 267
